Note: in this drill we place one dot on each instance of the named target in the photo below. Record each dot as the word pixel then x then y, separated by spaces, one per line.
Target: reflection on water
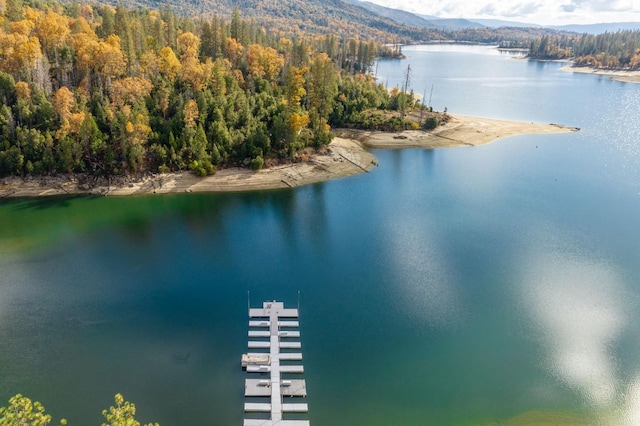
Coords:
pixel 424 283
pixel 630 414
pixel 580 308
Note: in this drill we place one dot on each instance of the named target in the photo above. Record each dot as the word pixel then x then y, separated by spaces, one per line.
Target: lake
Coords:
pixel 451 286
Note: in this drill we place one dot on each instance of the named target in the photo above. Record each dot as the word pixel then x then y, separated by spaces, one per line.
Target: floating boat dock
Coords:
pixel 275 350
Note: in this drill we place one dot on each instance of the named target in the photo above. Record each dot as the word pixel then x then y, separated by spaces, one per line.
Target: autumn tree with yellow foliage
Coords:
pixel 99 90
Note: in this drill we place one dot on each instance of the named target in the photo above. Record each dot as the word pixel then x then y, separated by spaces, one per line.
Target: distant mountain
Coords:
pixel 451 24
pixel 498 23
pixel 400 16
pixel 588 28
pixel 414 19
pixel 600 28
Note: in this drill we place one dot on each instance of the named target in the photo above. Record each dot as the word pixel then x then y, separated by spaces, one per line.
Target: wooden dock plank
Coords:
pixel 291 369
pixel 290 345
pixel 257 407
pixel 288 313
pixel 282 313
pixel 258 369
pixel 295 408
pixel 284 356
pixel 297 387
pixel 257 422
pixel 259 333
pixel 276 307
pixel 289 333
pixel 254 387
pixel 263 422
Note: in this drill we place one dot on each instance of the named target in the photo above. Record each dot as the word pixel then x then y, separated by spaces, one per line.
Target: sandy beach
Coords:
pixel 461 130
pixel 346 155
pixel 618 75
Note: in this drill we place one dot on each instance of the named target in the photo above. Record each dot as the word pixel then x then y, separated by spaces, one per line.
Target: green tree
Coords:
pixel 107 27
pixel 122 28
pixel 23 412
pixel 321 91
pixel 123 414
pixel 199 144
pixel 236 25
pixel 14 11
pixel 7 89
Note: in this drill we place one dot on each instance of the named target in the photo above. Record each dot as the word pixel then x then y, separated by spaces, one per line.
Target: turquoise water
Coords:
pixel 453 286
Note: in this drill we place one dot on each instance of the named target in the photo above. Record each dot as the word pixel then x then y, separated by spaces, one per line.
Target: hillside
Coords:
pixel 600 28
pixel 346 18
pixel 400 16
pixel 498 23
pixel 452 24
pixel 299 16
pixel 415 20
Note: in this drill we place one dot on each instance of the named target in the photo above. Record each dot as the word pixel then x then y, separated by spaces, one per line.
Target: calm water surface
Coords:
pixel 453 286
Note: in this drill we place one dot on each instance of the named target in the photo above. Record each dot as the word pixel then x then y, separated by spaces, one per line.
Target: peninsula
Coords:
pixel 625 76
pixel 346 155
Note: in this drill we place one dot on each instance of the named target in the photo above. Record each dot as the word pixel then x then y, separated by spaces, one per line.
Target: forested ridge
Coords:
pixel 619 50
pixel 338 17
pixel 107 91
pixel 298 16
pixel 504 36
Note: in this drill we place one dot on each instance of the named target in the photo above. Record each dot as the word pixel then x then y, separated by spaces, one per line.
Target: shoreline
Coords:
pixel 343 158
pixel 617 75
pixel 460 131
pixel 346 156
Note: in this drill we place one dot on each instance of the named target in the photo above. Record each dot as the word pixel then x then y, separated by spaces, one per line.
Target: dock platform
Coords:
pixel 274 327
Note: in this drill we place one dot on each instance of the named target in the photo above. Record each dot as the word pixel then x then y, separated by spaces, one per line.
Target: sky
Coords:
pixel 543 12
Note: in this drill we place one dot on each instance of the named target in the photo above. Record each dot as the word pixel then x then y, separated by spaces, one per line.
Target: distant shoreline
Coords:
pixel 617 75
pixel 346 156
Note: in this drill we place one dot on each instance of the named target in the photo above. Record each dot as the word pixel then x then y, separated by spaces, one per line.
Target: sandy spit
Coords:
pixel 461 130
pixel 346 156
pixel 618 75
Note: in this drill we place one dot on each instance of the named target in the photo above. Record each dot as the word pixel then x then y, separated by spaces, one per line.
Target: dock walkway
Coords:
pixel 279 325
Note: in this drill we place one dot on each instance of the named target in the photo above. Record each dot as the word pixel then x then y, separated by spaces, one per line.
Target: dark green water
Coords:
pixel 457 286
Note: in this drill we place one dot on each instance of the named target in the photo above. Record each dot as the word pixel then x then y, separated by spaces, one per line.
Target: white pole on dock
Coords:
pixel 298 302
pixel 248 301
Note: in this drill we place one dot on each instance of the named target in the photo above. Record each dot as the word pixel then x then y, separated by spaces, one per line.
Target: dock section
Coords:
pixel 275 350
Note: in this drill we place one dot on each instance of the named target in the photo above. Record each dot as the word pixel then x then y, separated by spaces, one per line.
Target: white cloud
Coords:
pixel 524 9
pixel 544 12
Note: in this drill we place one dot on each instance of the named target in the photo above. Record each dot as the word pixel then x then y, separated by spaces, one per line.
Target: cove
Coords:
pixel 451 286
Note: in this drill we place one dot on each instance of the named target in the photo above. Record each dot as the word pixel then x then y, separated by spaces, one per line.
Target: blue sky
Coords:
pixel 544 12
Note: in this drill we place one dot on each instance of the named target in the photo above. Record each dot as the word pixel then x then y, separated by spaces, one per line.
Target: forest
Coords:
pixel 105 91
pixel 506 37
pixel 619 50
